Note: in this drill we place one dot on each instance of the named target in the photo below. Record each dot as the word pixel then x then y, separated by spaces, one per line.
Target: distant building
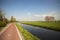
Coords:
pixel 49 18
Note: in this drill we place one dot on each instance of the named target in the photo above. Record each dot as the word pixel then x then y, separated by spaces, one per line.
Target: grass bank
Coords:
pixel 1 28
pixel 50 25
pixel 26 34
pixel 2 25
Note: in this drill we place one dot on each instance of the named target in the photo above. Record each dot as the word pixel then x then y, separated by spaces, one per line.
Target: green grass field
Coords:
pixel 50 25
pixel 26 34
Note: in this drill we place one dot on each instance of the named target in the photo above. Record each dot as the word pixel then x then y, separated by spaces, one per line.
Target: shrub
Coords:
pixel 2 24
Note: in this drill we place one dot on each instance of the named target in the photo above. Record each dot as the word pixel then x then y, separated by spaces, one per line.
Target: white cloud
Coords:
pixel 28 13
pixel 39 17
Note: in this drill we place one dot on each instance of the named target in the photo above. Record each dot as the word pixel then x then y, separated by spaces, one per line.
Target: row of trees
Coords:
pixel 4 20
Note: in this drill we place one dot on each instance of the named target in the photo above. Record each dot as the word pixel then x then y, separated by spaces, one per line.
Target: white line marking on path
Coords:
pixel 18 33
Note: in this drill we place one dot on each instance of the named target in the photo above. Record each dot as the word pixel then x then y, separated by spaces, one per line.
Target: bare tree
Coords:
pixel 12 19
pixel 2 16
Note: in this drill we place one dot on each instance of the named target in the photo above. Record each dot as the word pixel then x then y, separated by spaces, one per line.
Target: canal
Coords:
pixel 42 33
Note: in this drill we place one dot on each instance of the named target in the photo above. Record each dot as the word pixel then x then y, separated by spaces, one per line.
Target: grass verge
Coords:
pixel 1 28
pixel 26 34
pixel 2 25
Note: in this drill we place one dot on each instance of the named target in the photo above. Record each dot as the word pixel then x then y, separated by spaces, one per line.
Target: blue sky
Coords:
pixel 30 10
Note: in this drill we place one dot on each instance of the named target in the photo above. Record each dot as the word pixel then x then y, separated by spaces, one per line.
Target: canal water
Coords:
pixel 42 33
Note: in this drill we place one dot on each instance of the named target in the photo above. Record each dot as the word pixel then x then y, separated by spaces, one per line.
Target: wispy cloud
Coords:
pixel 37 17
